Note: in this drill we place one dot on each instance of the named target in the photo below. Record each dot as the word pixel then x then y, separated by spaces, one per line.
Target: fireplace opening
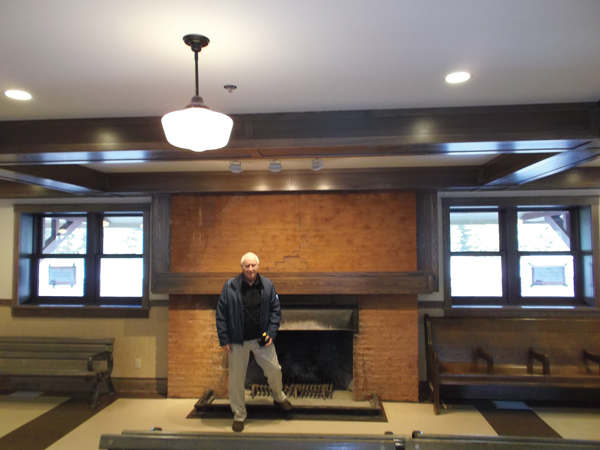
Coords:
pixel 313 364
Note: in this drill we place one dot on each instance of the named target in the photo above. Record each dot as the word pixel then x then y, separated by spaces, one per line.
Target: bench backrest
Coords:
pixel 52 347
pixel 509 340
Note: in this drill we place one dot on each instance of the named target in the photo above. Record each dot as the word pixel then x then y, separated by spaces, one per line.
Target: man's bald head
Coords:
pixel 250 267
pixel 248 256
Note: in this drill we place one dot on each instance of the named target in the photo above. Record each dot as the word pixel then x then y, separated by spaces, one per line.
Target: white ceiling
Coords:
pixel 116 58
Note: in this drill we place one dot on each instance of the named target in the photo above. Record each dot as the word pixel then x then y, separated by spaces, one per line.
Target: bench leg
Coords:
pixel 109 385
pixel 436 400
pixel 111 389
pixel 95 396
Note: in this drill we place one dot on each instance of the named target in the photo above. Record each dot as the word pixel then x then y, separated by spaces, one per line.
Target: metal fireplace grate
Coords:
pixel 303 388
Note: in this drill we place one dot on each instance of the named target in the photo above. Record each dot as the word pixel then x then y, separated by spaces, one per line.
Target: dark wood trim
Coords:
pixel 161 236
pixel 9 189
pixel 511 276
pixel 430 305
pixel 575 178
pixel 446 252
pixel 342 283
pixel 516 312
pixel 72 179
pixel 596 253
pixel 5 302
pixel 507 129
pixel 158 303
pixel 85 311
pixel 146 259
pixel 505 166
pixel 563 200
pixel 426 178
pixel 549 166
pixel 16 258
pixel 427 235
pixel 82 207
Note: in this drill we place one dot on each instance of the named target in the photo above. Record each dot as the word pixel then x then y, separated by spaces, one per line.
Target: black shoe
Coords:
pixel 238 427
pixel 285 405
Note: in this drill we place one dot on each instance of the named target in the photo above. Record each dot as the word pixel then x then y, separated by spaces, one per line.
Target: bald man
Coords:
pixel 248 317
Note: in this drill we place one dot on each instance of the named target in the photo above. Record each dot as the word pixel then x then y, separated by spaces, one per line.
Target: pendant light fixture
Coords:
pixel 196 127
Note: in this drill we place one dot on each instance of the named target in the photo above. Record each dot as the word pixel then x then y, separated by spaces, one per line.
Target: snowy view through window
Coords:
pixel 476 261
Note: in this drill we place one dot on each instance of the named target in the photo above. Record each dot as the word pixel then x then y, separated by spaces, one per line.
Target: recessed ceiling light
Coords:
pixel 18 95
pixel 458 77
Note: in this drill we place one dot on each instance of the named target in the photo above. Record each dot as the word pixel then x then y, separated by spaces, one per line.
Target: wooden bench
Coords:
pixel 561 353
pixel 59 357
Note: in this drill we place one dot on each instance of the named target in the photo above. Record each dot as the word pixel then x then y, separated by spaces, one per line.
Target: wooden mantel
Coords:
pixel 423 280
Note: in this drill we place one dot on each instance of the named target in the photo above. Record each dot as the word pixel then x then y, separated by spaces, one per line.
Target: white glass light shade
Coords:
pixel 197 129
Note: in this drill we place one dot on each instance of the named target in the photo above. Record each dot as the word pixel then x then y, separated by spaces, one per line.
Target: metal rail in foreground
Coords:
pixel 162 440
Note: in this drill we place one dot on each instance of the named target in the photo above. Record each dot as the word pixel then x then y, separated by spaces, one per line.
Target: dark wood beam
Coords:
pixel 9 189
pixel 72 179
pixel 506 165
pixel 493 129
pixel 294 181
pixel 427 235
pixel 576 178
pixel 302 283
pixel 549 166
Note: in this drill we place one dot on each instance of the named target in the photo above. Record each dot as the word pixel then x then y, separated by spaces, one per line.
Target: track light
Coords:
pixel 275 166
pixel 235 167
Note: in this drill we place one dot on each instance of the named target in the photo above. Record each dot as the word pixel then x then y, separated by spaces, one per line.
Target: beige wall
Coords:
pixel 6 250
pixel 145 339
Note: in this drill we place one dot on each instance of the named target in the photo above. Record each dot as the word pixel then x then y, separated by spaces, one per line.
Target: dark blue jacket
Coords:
pixel 230 311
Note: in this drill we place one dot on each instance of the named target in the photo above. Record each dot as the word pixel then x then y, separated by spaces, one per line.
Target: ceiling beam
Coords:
pixel 544 167
pixel 489 129
pixel 506 165
pixel 11 190
pixel 295 181
pixel 576 178
pixel 72 179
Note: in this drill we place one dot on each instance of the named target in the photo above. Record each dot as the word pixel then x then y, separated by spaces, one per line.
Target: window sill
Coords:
pixel 85 311
pixel 550 312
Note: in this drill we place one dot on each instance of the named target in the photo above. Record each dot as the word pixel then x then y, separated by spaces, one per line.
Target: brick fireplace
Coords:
pixel 300 233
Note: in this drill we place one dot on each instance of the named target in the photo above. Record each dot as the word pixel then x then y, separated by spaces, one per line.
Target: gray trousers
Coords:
pixel 238 365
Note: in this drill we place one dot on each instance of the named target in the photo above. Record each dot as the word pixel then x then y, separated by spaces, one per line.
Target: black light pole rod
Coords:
pixel 196 59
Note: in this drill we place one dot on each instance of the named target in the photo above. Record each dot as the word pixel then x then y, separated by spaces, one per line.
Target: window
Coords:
pixel 91 259
pixel 521 255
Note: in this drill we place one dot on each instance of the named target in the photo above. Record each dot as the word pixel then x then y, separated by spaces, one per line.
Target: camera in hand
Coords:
pixel 262 341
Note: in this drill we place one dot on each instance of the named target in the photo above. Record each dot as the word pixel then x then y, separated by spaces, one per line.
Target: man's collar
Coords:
pixel 256 281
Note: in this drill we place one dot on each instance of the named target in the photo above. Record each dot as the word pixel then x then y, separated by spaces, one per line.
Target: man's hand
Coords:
pixel 268 341
pixel 227 348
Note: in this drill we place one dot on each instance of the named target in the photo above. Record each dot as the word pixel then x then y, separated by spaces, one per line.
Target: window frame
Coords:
pixel 508 209
pixel 28 252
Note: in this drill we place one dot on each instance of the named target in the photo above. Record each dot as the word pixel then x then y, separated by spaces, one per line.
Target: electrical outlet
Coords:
pixel 138 363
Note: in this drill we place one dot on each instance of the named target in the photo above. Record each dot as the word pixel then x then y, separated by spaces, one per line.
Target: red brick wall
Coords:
pixel 385 348
pixel 196 361
pixel 297 232
pixel 300 233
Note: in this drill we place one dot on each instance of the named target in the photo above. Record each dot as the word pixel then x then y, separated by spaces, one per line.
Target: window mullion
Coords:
pixel 90 260
pixel 578 277
pixel 513 279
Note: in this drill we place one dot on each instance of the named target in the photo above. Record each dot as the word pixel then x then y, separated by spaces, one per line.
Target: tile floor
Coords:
pixel 18 411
